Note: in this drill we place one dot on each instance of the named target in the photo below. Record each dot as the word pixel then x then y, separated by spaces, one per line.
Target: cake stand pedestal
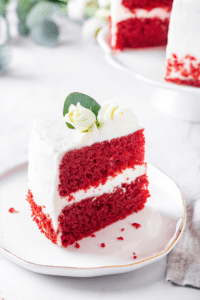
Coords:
pixel 148 65
pixel 181 105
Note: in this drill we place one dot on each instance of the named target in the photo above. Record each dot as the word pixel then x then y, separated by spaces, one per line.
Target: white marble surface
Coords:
pixel 36 85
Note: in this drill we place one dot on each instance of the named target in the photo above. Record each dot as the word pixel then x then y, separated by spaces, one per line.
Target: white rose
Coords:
pixel 111 111
pixel 80 117
pixel 76 9
pixel 91 28
pixel 103 3
pixel 106 112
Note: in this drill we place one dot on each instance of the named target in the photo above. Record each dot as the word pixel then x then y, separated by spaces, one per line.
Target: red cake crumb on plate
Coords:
pixel 77 245
pixel 136 225
pixel 12 210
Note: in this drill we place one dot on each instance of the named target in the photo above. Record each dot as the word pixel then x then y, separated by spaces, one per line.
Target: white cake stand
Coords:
pixel 182 102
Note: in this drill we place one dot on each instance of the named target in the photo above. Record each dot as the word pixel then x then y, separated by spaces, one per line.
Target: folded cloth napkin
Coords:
pixel 184 260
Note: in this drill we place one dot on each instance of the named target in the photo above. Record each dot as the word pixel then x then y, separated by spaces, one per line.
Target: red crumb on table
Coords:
pixel 12 210
pixel 136 225
pixel 103 245
pixel 93 235
pixel 44 206
pixel 135 257
pixel 120 238
pixel 122 229
pixel 77 245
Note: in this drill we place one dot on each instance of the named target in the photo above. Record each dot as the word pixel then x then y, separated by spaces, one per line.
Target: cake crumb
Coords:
pixel 12 210
pixel 122 229
pixel 70 198
pixel 93 235
pixel 120 238
pixel 136 225
pixel 103 245
pixel 77 245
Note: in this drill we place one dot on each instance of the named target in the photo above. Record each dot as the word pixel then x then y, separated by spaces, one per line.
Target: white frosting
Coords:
pixel 51 139
pixel 120 13
pixel 183 36
pixel 177 74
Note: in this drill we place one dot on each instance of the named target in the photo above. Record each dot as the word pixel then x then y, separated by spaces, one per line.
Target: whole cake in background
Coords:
pixel 139 23
pixel 183 49
pixel 86 169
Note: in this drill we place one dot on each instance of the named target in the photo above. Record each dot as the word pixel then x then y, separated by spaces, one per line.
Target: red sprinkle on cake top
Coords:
pixel 136 225
pixel 103 245
pixel 120 238
pixel 135 257
pixel 122 229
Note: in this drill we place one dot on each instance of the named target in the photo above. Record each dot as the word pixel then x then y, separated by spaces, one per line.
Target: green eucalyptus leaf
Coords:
pixel 22 28
pixel 23 8
pixel 4 29
pixel 4 58
pixel 84 100
pixel 45 33
pixel 39 12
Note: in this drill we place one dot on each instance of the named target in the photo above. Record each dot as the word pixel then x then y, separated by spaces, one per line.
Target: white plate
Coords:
pixel 148 65
pixel 162 222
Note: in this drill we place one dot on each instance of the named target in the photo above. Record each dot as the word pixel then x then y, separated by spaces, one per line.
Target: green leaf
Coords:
pixel 23 8
pixel 45 33
pixel 4 58
pixel 3 7
pixel 84 100
pixel 39 12
pixel 22 28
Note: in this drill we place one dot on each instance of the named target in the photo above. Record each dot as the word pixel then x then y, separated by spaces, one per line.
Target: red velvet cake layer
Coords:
pixel 42 220
pixel 92 165
pixel 81 219
pixel 147 4
pixel 187 69
pixel 141 33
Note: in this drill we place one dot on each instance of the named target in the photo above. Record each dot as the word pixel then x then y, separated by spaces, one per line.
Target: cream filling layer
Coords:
pixel 127 176
pixel 120 13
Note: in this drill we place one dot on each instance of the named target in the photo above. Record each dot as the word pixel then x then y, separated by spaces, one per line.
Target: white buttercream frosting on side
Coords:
pixel 51 139
pixel 120 13
pixel 184 28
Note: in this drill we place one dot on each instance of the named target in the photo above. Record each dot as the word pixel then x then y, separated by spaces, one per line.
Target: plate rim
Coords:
pixel 24 263
pixel 110 58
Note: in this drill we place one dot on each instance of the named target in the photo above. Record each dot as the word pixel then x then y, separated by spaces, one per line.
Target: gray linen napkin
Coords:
pixel 184 260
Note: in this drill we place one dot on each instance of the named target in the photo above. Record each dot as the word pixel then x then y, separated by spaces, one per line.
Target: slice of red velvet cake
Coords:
pixel 86 171
pixel 139 23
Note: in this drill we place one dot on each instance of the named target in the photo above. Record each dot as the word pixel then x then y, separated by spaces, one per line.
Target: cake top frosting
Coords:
pixel 183 37
pixel 85 123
